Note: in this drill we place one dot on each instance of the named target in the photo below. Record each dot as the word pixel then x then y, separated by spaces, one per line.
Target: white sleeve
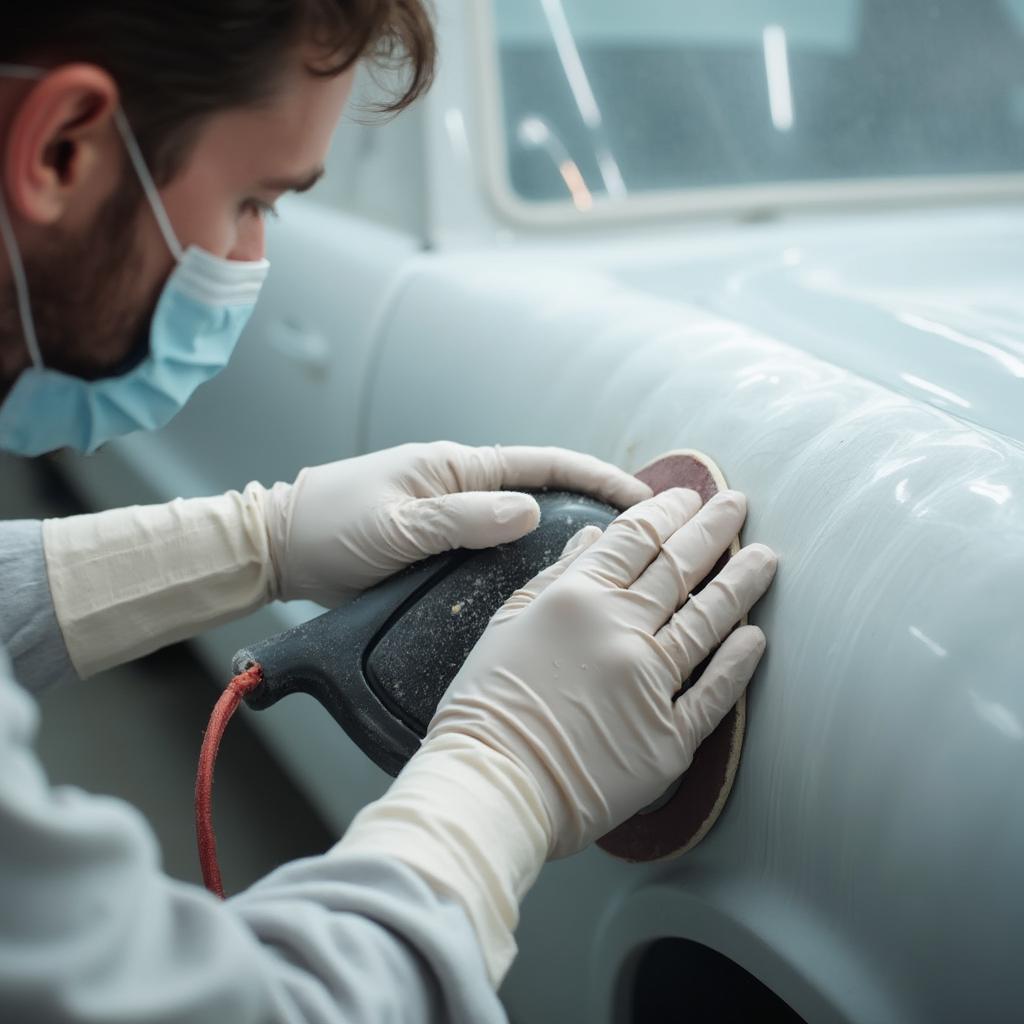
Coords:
pixel 92 931
pixel 128 581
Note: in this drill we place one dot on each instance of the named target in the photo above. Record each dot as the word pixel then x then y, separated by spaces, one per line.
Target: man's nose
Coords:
pixel 251 241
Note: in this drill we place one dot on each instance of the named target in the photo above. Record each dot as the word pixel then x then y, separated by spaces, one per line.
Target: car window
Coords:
pixel 604 99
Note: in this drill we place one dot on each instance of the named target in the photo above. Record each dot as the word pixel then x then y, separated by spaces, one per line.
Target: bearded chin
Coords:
pixel 91 311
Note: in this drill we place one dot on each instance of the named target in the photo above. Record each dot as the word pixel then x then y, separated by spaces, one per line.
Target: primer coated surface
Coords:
pixel 869 864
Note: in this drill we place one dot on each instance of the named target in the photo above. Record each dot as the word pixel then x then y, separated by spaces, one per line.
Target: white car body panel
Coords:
pixel 873 803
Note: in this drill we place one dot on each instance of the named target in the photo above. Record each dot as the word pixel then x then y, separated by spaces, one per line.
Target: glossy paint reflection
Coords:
pixel 933 310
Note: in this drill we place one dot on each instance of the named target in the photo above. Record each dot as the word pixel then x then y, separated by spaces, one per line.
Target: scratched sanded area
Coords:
pixel 687 816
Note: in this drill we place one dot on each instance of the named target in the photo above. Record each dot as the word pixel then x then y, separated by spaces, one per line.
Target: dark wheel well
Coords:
pixel 677 980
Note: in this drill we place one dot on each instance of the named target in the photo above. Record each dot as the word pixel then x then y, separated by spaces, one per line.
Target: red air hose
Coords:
pixel 239 687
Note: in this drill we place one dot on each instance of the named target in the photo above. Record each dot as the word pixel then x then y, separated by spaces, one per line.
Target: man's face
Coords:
pixel 94 277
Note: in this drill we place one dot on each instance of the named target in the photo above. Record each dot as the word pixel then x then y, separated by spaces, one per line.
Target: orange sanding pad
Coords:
pixel 674 825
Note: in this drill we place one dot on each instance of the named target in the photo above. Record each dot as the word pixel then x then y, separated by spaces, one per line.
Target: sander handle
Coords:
pixel 326 658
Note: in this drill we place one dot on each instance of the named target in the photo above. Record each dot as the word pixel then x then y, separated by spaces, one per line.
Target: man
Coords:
pixel 141 144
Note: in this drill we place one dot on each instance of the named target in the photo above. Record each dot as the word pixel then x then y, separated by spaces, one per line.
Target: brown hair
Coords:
pixel 177 61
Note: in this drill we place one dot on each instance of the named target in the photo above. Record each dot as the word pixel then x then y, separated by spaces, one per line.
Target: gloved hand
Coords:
pixel 561 724
pixel 342 527
pixel 574 678
pixel 128 581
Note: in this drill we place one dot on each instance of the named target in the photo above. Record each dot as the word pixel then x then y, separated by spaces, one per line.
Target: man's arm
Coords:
pixel 128 581
pixel 90 929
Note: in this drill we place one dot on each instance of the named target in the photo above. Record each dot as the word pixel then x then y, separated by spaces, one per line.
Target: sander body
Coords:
pixel 381 663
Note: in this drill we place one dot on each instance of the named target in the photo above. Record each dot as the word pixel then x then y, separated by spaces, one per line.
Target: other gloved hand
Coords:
pixel 561 723
pixel 130 580
pixel 342 527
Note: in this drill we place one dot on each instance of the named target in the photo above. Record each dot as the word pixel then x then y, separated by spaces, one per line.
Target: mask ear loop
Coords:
pixel 148 185
pixel 7 229
pixel 28 327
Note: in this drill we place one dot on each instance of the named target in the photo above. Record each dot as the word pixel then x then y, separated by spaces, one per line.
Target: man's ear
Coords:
pixel 62 145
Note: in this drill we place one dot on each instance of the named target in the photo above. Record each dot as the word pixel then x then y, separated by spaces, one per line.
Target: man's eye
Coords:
pixel 259 208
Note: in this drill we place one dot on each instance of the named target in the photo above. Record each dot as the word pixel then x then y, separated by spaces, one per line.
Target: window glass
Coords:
pixel 603 99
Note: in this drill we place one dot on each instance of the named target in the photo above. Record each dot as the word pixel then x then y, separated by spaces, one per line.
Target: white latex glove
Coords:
pixel 342 527
pixel 574 681
pixel 130 580
pixel 561 723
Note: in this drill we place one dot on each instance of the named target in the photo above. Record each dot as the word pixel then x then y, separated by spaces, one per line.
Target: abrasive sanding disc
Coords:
pixel 674 825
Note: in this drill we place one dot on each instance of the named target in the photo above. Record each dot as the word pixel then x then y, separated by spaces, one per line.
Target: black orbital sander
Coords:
pixel 381 664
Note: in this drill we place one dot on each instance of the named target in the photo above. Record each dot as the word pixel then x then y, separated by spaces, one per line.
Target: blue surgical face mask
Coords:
pixel 198 318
